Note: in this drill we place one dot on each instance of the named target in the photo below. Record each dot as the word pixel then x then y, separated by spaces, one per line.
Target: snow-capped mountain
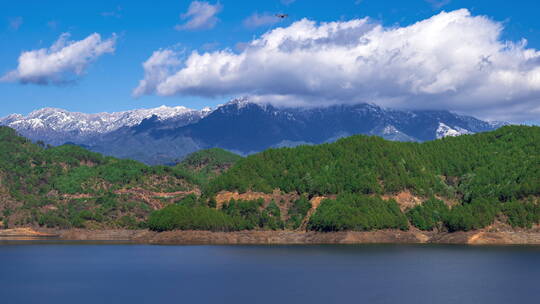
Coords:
pixel 164 134
pixel 58 126
pixel 248 127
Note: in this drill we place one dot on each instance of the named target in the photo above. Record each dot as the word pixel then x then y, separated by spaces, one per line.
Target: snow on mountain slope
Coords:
pixel 444 130
pixel 165 134
pixel 57 126
pixel 62 120
pixel 245 126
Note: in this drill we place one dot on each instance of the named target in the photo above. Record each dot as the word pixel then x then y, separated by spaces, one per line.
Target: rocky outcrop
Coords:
pixel 25 233
pixel 405 199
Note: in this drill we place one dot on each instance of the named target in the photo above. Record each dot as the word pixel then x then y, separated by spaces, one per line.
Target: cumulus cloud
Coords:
pixel 63 62
pixel 156 69
pixel 200 15
pixel 257 20
pixel 452 60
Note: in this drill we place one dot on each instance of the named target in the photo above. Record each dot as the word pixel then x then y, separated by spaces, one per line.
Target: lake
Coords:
pixel 75 272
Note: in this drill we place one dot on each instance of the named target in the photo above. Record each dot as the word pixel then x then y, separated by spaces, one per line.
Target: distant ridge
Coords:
pixel 58 126
pixel 162 135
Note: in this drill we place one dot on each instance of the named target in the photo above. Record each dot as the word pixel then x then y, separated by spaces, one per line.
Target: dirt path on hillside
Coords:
pixel 315 203
pixel 152 198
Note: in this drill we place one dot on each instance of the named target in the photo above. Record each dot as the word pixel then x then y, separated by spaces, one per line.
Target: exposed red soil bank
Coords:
pixel 488 236
pixel 413 236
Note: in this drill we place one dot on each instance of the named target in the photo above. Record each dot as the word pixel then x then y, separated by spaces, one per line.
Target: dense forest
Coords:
pixel 193 213
pixel 492 175
pixel 463 183
pixel 502 165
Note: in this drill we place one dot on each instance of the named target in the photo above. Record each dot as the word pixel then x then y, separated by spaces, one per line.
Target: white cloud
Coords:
pixel 63 62
pixel 450 61
pixel 257 20
pixel 156 69
pixel 200 15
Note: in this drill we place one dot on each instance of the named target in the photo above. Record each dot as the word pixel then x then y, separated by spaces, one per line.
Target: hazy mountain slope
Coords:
pixel 249 127
pixel 163 135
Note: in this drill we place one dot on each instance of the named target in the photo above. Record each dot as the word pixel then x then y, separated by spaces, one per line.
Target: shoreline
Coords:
pixel 413 236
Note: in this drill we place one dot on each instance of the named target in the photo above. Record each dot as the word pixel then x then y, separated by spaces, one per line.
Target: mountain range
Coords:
pixel 57 126
pixel 166 134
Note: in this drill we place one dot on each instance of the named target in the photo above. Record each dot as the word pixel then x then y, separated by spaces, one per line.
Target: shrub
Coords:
pixel 298 212
pixel 522 215
pixel 429 215
pixel 357 212
pixel 475 215
pixel 179 217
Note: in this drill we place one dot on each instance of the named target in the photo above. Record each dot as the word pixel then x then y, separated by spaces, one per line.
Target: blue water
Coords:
pixel 71 272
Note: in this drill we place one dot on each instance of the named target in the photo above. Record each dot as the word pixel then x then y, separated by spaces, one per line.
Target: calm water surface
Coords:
pixel 71 272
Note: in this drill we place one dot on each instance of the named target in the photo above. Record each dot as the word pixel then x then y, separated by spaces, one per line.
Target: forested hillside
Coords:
pixel 456 184
pixel 502 165
pixel 207 164
pixel 68 186
pixel 490 175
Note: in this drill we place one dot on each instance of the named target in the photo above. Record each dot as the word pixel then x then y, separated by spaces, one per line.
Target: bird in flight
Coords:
pixel 282 16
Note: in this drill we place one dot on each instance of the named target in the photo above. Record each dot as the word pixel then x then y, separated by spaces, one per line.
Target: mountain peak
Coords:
pixel 237 105
pixel 242 125
pixel 58 126
pixel 45 111
pixel 206 110
pixel 239 102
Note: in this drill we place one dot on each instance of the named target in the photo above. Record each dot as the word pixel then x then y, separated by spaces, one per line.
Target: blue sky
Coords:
pixel 143 27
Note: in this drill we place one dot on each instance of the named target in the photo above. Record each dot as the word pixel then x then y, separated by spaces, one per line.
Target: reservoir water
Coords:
pixel 74 272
